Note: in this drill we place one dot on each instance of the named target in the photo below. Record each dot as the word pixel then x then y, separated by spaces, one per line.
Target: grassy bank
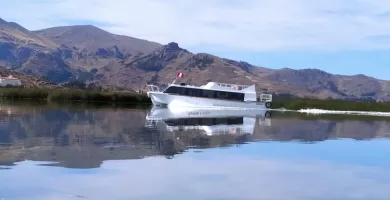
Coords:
pixel 71 105
pixel 66 95
pixel 296 104
pixel 61 95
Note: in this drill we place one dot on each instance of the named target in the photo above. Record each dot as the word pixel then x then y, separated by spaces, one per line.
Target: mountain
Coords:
pixel 160 67
pixel 89 47
pixel 90 54
pixel 12 33
pixel 27 52
pixel 326 85
pixel 65 53
pixel 93 39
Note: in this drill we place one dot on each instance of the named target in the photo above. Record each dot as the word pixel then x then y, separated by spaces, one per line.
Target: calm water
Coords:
pixel 74 152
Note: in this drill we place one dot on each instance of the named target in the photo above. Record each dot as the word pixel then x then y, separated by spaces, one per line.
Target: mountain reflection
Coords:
pixel 85 137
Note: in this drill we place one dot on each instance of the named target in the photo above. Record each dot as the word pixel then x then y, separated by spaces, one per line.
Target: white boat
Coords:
pixel 212 94
pixel 209 121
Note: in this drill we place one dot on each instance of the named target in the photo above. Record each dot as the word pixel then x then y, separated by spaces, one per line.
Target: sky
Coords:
pixel 338 36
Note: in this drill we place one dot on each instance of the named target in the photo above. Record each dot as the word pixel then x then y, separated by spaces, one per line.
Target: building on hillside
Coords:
pixel 10 80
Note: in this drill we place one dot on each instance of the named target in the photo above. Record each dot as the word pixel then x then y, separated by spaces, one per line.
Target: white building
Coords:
pixel 10 80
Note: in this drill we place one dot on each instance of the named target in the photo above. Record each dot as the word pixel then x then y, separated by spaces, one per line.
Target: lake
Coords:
pixel 105 152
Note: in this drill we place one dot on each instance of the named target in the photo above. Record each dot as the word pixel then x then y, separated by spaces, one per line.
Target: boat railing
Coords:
pixel 234 86
pixel 229 131
pixel 153 88
pixel 152 121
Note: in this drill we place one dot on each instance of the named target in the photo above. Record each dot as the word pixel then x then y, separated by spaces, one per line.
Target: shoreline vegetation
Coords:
pixel 96 96
pixel 330 104
pixel 64 95
pixel 76 105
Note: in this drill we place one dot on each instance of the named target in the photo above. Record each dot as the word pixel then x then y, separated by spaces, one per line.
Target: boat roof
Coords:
pixel 229 87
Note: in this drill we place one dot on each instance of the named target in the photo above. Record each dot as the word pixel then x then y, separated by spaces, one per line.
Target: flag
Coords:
pixel 179 74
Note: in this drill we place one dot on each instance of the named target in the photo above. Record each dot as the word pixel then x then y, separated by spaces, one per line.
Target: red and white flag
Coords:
pixel 179 74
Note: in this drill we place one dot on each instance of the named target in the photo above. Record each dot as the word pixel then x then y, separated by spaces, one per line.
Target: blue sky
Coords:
pixel 338 36
pixel 374 63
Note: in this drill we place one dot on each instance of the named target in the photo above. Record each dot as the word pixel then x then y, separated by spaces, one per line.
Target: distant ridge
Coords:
pixel 88 53
pixel 92 38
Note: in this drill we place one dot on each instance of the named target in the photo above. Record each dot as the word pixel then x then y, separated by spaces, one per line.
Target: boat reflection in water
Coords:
pixel 208 121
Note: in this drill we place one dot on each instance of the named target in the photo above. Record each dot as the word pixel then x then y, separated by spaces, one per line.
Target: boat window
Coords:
pixel 172 90
pixel 208 93
pixel 182 91
pixel 205 121
pixel 222 95
pixel 195 92
pixel 229 121
pixel 235 96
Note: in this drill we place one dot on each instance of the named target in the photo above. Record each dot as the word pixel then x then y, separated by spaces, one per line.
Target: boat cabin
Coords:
pixel 214 90
pixel 205 93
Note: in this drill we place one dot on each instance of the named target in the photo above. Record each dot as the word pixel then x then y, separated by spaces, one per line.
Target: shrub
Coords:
pixel 72 95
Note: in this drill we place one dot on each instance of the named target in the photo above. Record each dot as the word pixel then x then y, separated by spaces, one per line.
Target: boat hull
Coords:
pixel 169 100
pixel 174 112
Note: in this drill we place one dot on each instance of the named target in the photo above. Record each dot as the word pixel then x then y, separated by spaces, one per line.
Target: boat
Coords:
pixel 208 121
pixel 212 94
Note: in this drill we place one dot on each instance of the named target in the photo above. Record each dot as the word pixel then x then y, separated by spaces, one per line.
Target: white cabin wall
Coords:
pixel 215 86
pixel 212 85
pixel 14 82
pixel 251 89
pixel 250 93
pixel 249 124
pixel 250 97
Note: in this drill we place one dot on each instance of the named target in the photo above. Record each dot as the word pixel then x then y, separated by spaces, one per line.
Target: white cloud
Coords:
pixel 253 25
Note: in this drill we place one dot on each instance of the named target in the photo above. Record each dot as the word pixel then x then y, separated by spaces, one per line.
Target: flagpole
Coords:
pixel 179 74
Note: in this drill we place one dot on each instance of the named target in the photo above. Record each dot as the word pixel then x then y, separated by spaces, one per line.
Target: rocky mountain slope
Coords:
pixel 90 48
pixel 29 81
pixel 160 67
pixel 93 39
pixel 65 53
pixel 90 54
